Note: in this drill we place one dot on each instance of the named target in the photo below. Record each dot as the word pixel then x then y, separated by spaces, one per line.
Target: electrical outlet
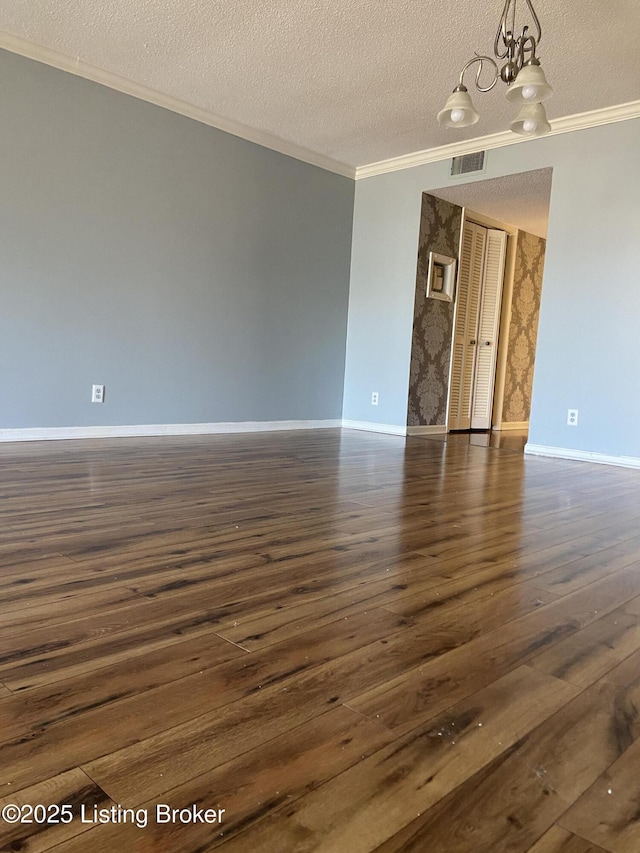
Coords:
pixel 572 417
pixel 97 394
pixel 374 398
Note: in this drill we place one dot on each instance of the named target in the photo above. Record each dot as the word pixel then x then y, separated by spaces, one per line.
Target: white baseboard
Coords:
pixel 60 433
pixel 436 429
pixel 521 426
pixel 582 455
pixel 367 426
pixel 141 430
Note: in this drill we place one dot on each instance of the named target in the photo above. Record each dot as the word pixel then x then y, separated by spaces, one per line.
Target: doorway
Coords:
pixel 500 355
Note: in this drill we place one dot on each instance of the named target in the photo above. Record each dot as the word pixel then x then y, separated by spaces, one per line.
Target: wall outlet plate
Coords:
pixel 572 417
pixel 97 394
pixel 374 398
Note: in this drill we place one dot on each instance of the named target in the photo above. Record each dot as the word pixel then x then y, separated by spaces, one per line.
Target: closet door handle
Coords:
pixel 473 343
pixel 487 343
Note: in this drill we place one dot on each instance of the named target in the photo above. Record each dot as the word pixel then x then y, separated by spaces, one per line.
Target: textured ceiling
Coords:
pixel 355 80
pixel 521 200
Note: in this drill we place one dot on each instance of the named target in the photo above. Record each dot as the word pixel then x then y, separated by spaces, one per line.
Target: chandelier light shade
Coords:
pixel 519 68
pixel 531 121
pixel 530 86
pixel 459 110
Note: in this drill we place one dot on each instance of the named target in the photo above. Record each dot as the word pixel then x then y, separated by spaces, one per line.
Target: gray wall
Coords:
pixel 200 277
pixel 587 355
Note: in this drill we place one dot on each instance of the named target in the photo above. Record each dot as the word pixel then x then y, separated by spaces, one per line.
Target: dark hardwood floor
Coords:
pixel 346 641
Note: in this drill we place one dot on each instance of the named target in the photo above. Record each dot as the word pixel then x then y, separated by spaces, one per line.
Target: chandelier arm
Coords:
pixel 513 15
pixel 529 45
pixel 503 31
pixel 507 28
pixel 536 20
pixel 480 60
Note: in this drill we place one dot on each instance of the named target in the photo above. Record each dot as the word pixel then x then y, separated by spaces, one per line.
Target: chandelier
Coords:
pixel 520 70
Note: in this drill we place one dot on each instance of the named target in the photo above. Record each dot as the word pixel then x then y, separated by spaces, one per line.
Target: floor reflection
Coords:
pixel 514 440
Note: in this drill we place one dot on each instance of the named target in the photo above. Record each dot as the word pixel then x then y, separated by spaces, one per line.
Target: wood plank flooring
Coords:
pixel 348 642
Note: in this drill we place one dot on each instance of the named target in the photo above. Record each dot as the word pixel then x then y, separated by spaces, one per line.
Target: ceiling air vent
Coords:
pixel 468 163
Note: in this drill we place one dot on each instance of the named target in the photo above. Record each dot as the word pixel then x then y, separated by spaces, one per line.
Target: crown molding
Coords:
pixel 55 59
pixel 15 44
pixel 567 124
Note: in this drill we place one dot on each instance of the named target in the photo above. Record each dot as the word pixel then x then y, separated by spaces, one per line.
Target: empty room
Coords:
pixel 319 427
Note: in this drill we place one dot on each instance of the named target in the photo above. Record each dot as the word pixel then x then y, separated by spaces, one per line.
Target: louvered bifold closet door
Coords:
pixel 464 339
pixel 488 328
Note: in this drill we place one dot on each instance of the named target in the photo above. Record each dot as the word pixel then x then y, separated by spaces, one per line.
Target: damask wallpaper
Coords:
pixel 523 329
pixel 440 224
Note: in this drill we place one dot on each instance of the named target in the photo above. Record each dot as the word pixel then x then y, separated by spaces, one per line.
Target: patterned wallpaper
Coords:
pixel 440 223
pixel 523 330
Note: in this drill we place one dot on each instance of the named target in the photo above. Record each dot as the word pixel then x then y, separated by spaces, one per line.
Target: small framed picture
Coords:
pixel 441 278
